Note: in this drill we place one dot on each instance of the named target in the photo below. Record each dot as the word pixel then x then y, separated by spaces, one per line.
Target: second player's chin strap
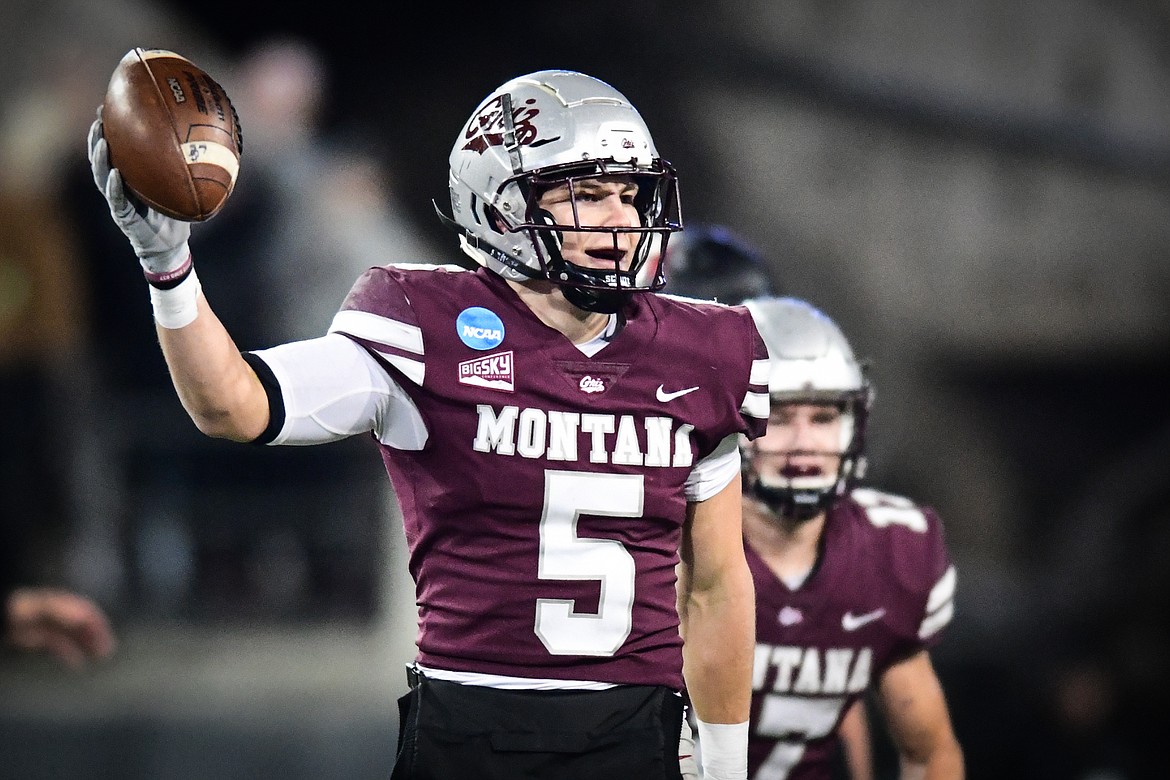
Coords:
pixel 803 503
pixel 799 505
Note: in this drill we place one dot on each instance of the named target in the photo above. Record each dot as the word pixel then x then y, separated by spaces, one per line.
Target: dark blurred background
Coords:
pixel 978 192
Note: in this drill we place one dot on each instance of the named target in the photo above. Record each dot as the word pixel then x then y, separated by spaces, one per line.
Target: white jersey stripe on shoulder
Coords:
pixel 943 591
pixel 414 370
pixel 691 299
pixel 755 405
pixel 760 371
pixel 383 330
pixel 408 266
pixel 935 622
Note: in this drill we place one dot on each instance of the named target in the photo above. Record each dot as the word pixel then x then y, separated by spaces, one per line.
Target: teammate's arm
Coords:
pixel 856 742
pixel 717 618
pixel 920 725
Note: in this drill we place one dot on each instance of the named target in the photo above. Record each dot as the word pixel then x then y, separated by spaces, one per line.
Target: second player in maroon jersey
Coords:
pixel 853 586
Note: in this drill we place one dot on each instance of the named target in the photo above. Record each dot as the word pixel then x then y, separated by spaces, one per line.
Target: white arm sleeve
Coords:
pixel 333 388
pixel 714 472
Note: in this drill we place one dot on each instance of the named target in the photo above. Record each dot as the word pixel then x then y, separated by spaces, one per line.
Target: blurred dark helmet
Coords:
pixel 711 262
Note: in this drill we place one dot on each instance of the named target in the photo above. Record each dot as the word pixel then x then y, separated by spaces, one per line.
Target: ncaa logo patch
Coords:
pixel 479 328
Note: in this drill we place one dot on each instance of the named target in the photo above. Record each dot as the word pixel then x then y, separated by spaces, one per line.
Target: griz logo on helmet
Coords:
pixel 487 127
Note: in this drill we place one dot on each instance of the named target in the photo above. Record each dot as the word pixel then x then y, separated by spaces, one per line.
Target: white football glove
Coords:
pixel 159 241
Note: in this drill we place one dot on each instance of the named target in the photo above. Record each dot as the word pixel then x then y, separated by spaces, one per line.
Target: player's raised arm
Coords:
pixel 216 386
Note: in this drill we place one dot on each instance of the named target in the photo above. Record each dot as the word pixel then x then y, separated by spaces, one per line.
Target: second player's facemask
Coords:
pixel 810 361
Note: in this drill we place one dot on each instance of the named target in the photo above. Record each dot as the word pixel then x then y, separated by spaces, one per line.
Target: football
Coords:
pixel 172 133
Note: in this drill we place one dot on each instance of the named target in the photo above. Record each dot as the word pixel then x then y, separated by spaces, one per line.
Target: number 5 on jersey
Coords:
pixel 566 556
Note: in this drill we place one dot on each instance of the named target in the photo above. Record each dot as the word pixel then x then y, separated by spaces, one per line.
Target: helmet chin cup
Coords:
pixel 798 494
pixel 599 301
pixel 792 503
pixel 586 288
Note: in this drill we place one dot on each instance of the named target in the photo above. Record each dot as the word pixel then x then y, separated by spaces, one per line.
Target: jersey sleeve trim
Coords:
pixel 379 329
pixel 387 337
pixel 756 403
pixel 761 370
pixel 714 472
pixel 940 605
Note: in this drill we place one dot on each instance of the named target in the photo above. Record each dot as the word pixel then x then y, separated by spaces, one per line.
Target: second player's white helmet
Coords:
pixel 810 361
pixel 545 129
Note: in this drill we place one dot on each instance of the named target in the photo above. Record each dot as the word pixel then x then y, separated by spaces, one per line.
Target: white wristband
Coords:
pixel 178 306
pixel 723 750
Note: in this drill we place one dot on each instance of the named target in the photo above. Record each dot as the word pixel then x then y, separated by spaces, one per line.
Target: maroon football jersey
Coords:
pixel 544 513
pixel 882 589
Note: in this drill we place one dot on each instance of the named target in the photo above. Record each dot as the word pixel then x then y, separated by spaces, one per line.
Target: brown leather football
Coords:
pixel 172 133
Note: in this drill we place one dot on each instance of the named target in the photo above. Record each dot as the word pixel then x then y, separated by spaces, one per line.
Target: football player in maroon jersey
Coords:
pixel 853 585
pixel 558 441
pixel 712 261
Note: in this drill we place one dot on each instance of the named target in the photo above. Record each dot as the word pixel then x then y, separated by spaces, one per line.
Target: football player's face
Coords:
pixel 803 439
pixel 606 201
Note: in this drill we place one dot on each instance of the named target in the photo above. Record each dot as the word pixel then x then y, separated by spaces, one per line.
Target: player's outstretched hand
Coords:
pixel 159 241
pixel 68 626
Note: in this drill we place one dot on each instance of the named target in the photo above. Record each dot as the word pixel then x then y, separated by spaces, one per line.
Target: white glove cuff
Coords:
pixel 177 307
pixel 723 750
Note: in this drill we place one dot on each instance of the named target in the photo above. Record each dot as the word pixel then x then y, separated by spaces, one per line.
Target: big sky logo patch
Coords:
pixel 494 372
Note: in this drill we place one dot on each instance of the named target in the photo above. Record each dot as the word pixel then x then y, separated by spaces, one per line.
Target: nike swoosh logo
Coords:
pixel 664 396
pixel 851 622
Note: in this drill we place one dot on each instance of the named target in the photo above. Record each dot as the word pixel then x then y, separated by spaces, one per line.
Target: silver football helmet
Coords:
pixel 545 129
pixel 810 362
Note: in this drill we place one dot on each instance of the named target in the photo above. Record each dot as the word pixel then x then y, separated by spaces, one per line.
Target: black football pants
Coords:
pixel 449 731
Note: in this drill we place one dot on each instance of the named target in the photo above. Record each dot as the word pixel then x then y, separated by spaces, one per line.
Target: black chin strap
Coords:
pixel 599 301
pixel 799 505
